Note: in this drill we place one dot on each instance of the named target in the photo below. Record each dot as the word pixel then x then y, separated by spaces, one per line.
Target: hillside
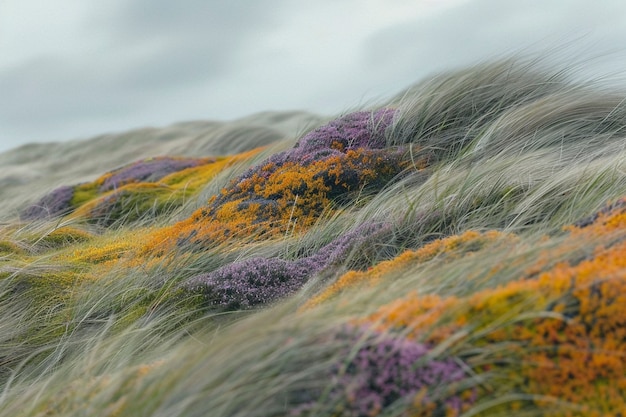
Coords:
pixel 459 250
pixel 44 166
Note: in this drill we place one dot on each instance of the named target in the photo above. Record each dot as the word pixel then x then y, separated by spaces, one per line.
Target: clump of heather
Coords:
pixel 359 130
pixel 250 282
pixel 256 281
pixel 360 240
pixel 56 203
pixel 385 370
pixel 149 170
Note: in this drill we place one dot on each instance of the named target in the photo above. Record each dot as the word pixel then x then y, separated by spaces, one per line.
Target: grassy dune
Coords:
pixel 459 250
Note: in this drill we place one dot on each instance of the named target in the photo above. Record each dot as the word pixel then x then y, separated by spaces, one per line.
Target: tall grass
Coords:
pixel 475 294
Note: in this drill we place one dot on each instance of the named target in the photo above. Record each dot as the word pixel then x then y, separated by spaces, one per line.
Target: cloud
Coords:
pixel 47 89
pixel 127 63
pixel 489 29
pixel 120 60
pixel 178 43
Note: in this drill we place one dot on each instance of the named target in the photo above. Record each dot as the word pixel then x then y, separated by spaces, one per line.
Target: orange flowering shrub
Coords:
pixel 288 192
pixel 291 198
pixel 565 330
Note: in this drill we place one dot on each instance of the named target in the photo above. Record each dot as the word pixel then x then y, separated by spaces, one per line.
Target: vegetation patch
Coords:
pixel 459 250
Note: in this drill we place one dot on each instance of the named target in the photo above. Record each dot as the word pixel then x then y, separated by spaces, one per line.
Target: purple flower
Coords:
pixel 362 129
pixel 258 281
pixel 384 369
pixel 362 238
pixel 150 170
pixel 387 369
pixel 56 203
pixel 250 282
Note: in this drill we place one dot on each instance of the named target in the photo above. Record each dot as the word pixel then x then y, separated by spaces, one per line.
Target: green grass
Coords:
pixel 96 324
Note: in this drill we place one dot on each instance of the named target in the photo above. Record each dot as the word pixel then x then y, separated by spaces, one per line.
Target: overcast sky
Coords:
pixel 76 68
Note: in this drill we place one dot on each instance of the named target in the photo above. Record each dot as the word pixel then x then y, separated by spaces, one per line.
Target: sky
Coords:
pixel 72 69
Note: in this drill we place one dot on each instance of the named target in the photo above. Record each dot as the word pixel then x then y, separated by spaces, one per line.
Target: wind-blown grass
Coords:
pixel 456 251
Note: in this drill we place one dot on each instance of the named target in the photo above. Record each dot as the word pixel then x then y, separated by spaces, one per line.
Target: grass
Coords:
pixel 456 251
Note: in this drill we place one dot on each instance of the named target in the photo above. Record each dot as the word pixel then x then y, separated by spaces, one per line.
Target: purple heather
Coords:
pixel 362 129
pixel 258 281
pixel 56 203
pixel 384 369
pixel 150 170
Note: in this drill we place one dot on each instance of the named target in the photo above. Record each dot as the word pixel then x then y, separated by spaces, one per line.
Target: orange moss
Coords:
pixel 578 358
pixel 414 314
pixel 605 224
pixel 451 248
pixel 276 200
pixel 565 329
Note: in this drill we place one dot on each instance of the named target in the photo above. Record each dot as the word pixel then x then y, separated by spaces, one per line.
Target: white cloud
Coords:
pixel 74 68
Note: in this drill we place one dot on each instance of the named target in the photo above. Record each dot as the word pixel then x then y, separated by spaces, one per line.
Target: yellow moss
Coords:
pixel 89 207
pixel 171 189
pixel 84 193
pixel 107 248
pixel 7 246
pixel 196 177
pixel 66 235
